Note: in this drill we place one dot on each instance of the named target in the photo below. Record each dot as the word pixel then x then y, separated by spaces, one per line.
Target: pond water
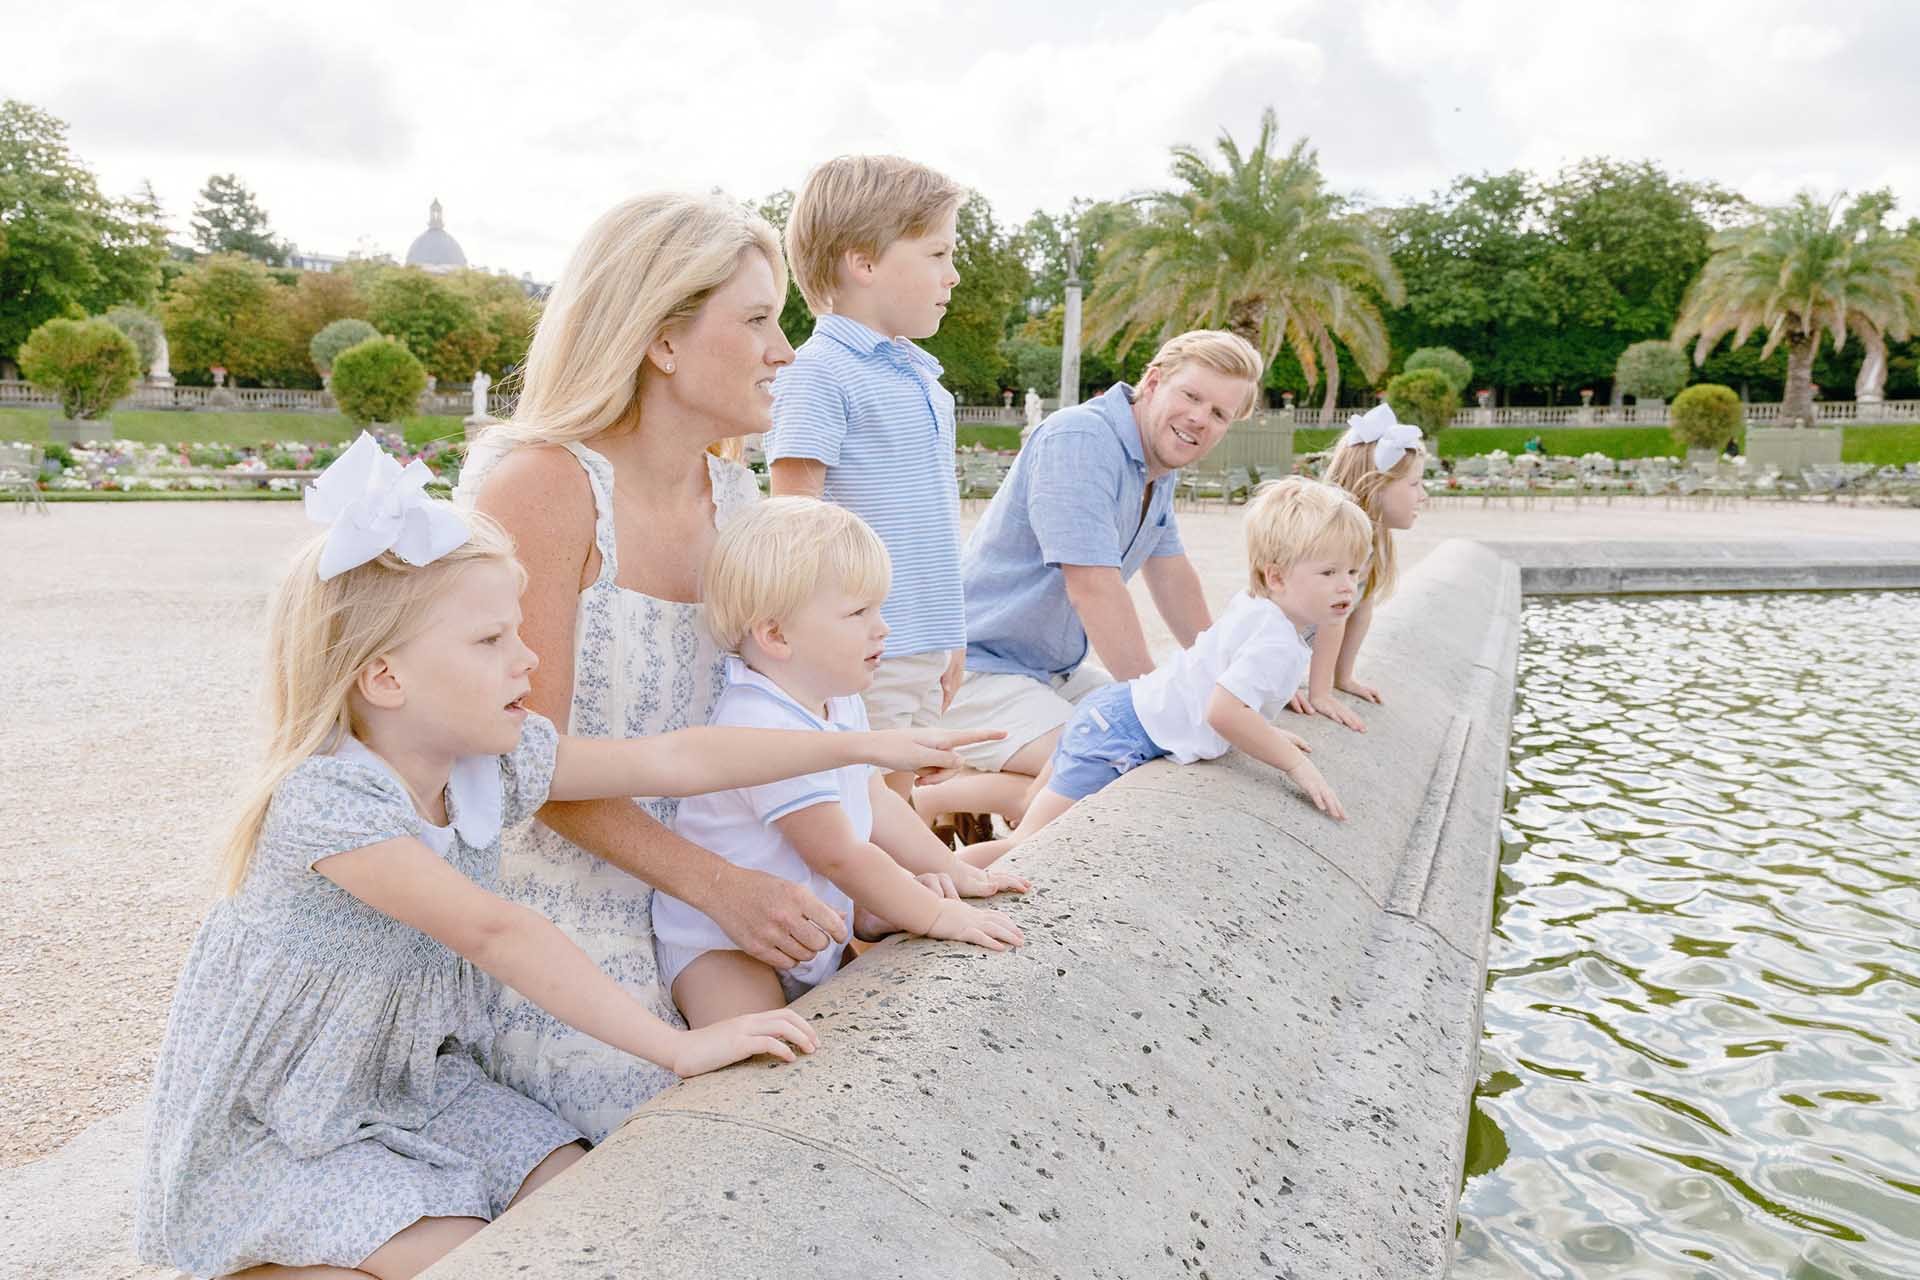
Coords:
pixel 1702 1022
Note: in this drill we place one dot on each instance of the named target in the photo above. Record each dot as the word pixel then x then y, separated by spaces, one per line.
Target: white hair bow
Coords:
pixel 371 504
pixel 1390 437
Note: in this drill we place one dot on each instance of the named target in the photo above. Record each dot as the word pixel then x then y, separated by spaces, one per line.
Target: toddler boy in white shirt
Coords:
pixel 1307 548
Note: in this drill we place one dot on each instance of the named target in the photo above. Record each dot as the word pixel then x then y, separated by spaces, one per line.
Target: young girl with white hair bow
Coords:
pixel 322 1099
pixel 1379 462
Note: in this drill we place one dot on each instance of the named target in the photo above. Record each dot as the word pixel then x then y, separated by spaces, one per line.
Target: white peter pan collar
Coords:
pixel 476 800
pixel 838 711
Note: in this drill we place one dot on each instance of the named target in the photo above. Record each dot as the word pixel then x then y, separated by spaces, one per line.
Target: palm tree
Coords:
pixel 1259 247
pixel 1799 272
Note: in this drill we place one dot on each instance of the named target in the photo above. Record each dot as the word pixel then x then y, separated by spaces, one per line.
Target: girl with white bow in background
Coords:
pixel 1380 462
pixel 322 1100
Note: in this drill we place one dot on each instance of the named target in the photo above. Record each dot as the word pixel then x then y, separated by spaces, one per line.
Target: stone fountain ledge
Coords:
pixel 1241 1040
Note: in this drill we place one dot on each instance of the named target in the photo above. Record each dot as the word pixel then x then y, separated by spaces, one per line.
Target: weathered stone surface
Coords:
pixel 1240 1040
pixel 1793 564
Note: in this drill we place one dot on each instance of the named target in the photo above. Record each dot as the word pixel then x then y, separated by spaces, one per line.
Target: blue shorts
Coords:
pixel 1102 741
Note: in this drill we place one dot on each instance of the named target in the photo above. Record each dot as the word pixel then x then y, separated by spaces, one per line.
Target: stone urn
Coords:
pixel 72 431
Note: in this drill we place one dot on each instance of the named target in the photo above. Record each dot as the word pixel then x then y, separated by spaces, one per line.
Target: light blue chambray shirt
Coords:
pixel 873 410
pixel 1073 497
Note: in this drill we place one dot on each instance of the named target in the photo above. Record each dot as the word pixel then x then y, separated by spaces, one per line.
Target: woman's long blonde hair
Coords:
pixel 647 263
pixel 321 636
pixel 1353 470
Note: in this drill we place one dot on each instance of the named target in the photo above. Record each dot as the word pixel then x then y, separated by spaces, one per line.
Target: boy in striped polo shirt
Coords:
pixel 860 418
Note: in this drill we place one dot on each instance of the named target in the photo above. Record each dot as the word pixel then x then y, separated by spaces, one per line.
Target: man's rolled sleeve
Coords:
pixel 1070 501
pixel 809 415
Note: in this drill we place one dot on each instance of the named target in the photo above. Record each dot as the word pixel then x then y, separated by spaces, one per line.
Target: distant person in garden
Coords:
pixel 860 418
pixel 322 1099
pixel 1381 463
pixel 795 591
pixel 1307 547
pixel 1088 504
pixel 657 349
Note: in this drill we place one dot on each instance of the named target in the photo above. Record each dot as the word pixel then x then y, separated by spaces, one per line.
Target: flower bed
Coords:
pixel 129 466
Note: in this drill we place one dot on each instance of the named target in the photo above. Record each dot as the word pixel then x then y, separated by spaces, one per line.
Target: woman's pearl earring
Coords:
pixel 668 366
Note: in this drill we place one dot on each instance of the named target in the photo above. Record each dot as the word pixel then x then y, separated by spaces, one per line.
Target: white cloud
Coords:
pixel 527 125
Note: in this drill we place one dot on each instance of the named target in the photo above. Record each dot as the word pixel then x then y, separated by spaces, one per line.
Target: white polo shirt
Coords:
pixel 738 825
pixel 1252 651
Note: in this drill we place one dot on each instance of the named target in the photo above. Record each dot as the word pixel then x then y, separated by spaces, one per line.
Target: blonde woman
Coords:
pixel 658 345
pixel 321 1101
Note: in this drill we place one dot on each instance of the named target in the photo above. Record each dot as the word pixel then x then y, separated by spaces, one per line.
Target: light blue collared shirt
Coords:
pixel 1074 497
pixel 873 410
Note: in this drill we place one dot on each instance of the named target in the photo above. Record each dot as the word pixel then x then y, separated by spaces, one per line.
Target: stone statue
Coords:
pixel 480 384
pixel 1870 387
pixel 1034 410
pixel 161 375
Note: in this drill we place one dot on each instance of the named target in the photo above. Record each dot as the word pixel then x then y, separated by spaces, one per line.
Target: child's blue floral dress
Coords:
pixel 324 1081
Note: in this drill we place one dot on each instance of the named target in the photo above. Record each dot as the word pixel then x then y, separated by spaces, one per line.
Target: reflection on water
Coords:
pixel 1702 1048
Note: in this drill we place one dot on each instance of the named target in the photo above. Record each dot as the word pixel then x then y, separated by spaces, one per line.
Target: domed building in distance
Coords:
pixel 434 249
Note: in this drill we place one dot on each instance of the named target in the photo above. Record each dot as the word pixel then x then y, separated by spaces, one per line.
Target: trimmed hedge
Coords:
pixel 88 364
pixel 378 380
pixel 1705 416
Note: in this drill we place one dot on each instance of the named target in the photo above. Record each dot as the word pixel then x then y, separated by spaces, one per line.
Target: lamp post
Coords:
pixel 1070 330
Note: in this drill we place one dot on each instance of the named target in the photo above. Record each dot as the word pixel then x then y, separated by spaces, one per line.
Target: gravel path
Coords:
pixel 130 635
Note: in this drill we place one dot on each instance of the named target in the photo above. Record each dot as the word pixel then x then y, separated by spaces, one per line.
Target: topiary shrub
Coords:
pixel 1456 368
pixel 1651 370
pixel 1705 416
pixel 141 329
pixel 325 346
pixel 1425 398
pixel 377 380
pixel 88 364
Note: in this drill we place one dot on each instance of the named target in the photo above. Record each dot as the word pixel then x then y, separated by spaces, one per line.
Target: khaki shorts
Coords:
pixel 905 693
pixel 1026 708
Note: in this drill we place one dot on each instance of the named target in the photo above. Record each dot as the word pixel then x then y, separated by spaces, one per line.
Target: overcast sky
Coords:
pixel 527 121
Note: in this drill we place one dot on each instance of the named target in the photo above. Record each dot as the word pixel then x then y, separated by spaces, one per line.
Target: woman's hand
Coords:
pixel 958 922
pixel 1347 684
pixel 781 1033
pixel 777 922
pixel 1308 779
pixel 927 753
pixel 984 882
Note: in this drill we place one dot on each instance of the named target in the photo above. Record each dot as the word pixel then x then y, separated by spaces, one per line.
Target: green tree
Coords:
pixel 142 330
pixel 506 314
pixel 1801 271
pixel 796 321
pixel 229 220
pixel 65 249
pixel 1260 247
pixel 1450 364
pixel 223 310
pixel 1651 370
pixel 342 335
pixel 1705 416
pixel 1424 397
pixel 979 314
pixel 440 326
pixel 89 364
pixel 377 380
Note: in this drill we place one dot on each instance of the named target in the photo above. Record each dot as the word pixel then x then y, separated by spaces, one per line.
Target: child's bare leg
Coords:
pixel 1046 806
pixel 419 1246
pixel 272 1271
pixel 999 793
pixel 725 984
pixel 558 1161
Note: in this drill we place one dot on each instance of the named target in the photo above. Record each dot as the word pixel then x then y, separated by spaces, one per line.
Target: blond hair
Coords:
pixel 1224 353
pixel 1295 519
pixel 860 204
pixel 771 560
pixel 321 636
pixel 646 264
pixel 1353 470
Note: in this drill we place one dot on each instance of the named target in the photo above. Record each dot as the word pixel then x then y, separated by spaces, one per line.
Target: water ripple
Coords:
pixel 1702 1048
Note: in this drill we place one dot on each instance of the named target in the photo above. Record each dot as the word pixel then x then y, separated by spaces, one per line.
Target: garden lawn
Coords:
pixel 161 426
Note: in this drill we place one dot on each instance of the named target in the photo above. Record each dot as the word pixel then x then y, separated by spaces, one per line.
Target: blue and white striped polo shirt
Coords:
pixel 873 410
